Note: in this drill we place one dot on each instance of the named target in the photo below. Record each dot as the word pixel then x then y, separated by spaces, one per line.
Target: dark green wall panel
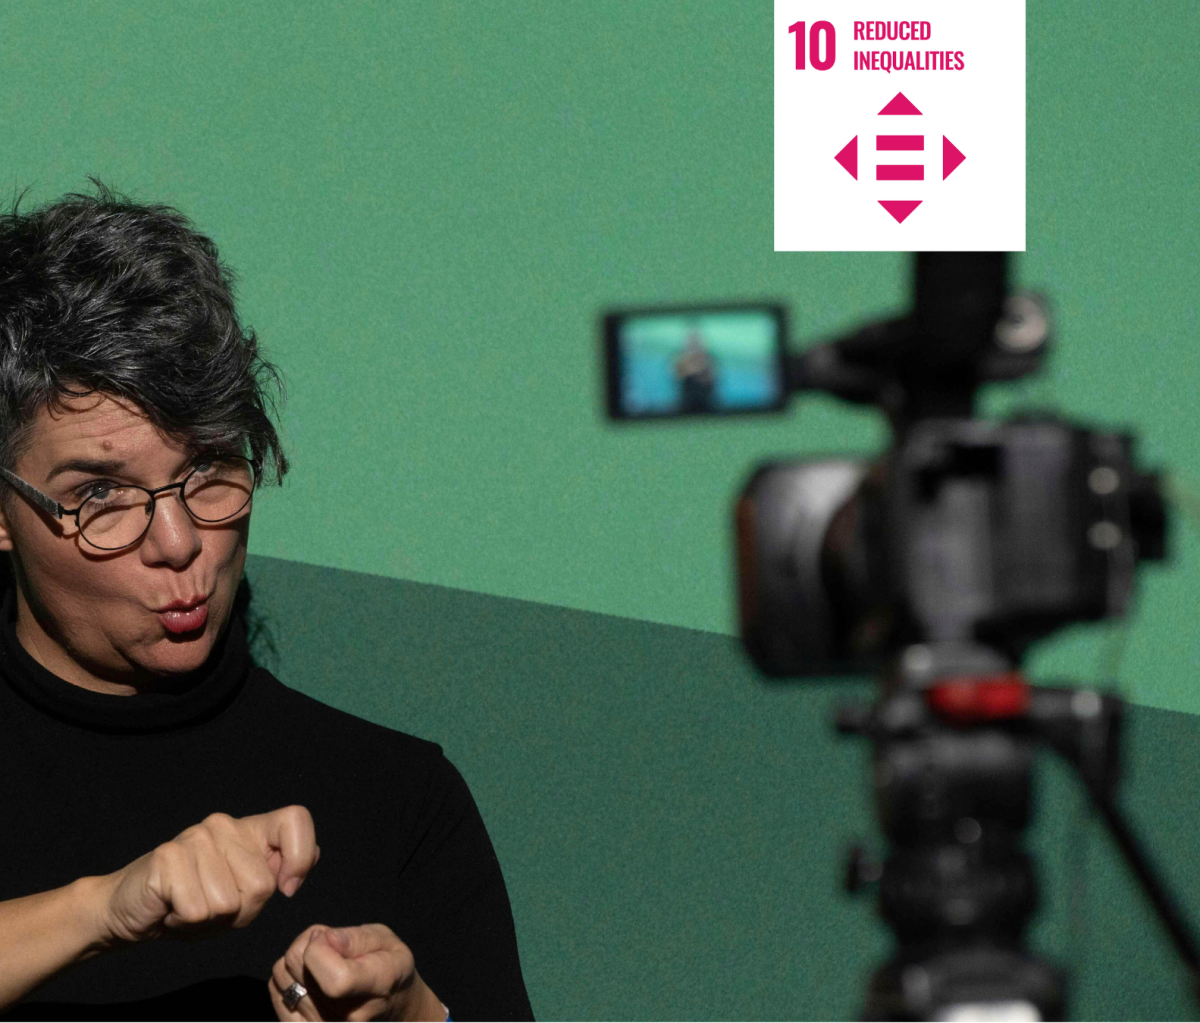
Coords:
pixel 671 826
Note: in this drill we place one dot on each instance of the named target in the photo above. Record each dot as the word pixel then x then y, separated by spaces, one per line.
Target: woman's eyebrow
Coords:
pixel 100 467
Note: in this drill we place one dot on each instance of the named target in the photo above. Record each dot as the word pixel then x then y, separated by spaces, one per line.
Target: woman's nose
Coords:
pixel 173 533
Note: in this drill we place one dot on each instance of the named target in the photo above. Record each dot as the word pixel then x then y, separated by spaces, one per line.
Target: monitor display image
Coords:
pixel 699 362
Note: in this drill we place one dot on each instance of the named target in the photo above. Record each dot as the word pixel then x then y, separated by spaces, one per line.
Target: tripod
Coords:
pixel 954 736
pixel 937 566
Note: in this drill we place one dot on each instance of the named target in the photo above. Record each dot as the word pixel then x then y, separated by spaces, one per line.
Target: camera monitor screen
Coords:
pixel 679 362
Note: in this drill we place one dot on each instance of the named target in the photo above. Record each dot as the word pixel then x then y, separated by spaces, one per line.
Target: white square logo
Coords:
pixel 899 134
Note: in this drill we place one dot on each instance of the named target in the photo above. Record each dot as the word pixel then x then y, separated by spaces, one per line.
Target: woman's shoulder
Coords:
pixel 306 718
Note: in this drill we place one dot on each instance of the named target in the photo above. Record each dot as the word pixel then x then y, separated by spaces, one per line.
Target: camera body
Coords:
pixel 965 532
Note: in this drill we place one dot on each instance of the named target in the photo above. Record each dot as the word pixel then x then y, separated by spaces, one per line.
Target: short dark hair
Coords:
pixel 112 296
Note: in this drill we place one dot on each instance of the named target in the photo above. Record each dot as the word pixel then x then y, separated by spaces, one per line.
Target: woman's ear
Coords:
pixel 6 543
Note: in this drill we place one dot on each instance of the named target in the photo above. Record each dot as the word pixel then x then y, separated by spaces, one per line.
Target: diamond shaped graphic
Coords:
pixel 911 169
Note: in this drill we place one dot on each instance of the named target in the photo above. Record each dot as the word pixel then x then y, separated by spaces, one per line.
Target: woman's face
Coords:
pixel 91 616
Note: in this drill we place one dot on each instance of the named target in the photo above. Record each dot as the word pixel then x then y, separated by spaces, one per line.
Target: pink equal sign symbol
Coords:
pixel 887 170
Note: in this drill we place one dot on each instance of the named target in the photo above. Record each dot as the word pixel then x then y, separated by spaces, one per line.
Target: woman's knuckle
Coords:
pixel 252 874
pixel 294 957
pixel 170 857
pixel 200 835
pixel 299 814
pixel 190 909
pixel 225 904
pixel 339 985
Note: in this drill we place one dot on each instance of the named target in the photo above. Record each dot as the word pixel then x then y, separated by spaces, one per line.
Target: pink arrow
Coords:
pixel 951 157
pixel 899 208
pixel 848 157
pixel 900 104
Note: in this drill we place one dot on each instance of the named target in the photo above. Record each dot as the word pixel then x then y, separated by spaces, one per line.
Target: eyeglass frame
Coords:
pixel 52 507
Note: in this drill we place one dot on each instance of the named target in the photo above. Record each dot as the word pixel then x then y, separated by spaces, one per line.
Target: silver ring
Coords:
pixel 293 994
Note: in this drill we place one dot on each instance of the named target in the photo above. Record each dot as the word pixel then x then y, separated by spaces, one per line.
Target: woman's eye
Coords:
pixel 97 489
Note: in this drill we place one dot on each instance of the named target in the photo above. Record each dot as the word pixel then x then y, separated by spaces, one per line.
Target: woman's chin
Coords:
pixel 177 653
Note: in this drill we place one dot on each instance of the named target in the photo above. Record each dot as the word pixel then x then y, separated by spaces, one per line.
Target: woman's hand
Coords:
pixel 352 973
pixel 213 876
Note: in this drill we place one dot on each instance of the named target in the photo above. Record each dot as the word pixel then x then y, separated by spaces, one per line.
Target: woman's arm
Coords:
pixel 222 870
pixel 44 933
pixel 453 910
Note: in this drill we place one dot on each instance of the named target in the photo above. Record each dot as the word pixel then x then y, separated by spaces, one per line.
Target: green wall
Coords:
pixel 429 205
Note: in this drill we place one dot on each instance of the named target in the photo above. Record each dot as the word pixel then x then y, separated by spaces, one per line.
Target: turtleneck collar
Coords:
pixel 192 698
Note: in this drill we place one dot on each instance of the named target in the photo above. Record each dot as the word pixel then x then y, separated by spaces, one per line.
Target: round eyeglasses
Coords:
pixel 118 515
pixel 113 517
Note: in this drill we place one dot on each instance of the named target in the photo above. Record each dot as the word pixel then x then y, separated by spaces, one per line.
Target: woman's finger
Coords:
pixel 254 881
pixel 281 980
pixel 288 835
pixel 294 957
pixel 376 974
pixel 349 972
pixel 341 977
pixel 364 938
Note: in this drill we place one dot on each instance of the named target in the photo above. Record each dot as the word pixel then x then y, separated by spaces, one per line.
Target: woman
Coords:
pixel 158 786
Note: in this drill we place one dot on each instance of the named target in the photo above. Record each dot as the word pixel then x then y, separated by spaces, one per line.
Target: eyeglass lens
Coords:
pixel 115 517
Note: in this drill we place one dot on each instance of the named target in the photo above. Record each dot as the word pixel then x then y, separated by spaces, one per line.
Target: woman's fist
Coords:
pixel 352 973
pixel 215 875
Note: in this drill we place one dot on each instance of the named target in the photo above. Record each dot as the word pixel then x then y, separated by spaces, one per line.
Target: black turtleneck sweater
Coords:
pixel 89 782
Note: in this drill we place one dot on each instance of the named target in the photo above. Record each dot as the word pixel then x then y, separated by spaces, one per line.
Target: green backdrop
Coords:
pixel 429 205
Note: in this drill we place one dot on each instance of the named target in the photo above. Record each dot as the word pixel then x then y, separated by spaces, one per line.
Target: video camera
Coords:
pixel 934 567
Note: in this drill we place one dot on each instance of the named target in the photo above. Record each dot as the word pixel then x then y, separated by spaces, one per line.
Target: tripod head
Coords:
pixel 964 329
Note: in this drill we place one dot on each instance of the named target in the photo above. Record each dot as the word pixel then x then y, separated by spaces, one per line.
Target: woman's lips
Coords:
pixel 185 621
